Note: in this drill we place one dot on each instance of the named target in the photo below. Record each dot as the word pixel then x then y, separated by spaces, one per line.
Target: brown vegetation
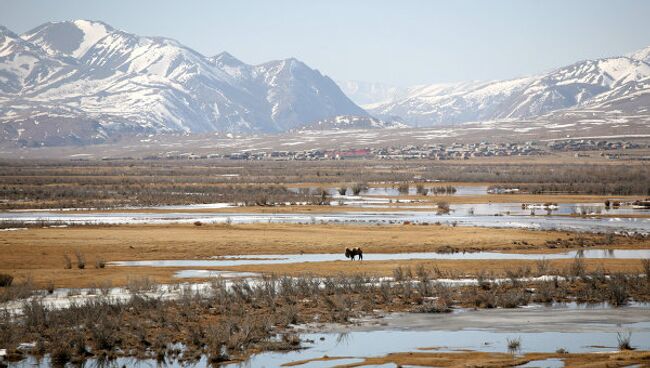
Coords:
pixel 44 253
pixel 229 322
pixel 29 184
pixel 499 360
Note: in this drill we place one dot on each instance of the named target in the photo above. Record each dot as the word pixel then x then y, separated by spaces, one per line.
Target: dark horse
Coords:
pixel 353 252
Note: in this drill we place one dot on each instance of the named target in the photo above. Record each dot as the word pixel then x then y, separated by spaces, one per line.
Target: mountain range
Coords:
pixel 84 81
pixel 79 82
pixel 618 85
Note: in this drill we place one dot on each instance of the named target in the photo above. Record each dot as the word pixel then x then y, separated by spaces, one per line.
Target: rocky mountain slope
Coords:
pixel 84 81
pixel 609 84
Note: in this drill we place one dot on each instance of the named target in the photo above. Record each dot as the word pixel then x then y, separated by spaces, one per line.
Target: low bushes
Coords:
pixel 5 280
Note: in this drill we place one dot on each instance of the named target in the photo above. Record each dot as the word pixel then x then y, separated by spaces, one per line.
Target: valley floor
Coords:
pixel 175 263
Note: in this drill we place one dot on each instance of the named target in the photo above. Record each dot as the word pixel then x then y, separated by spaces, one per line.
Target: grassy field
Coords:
pixel 39 252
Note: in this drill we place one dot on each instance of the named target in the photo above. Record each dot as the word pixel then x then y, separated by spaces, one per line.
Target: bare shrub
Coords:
pixel 103 333
pixel 438 305
pixel 402 273
pixel 18 290
pixel 100 262
pixel 61 353
pixel 512 298
pixel 645 263
pixel 448 189
pixel 543 266
pixel 421 190
pixel 577 268
pixel 482 280
pixel 5 280
pixel 624 341
pixel 545 292
pixel 220 355
pixel 358 188
pixel 291 339
pixel 139 284
pixel 514 344
pixel 81 260
pixel 618 289
pixel 442 207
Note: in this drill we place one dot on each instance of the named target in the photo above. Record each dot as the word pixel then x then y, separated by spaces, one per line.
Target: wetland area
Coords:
pixel 236 266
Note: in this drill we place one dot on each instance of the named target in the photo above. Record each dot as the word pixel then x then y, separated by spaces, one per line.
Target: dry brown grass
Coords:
pixel 448 268
pixel 39 253
pixel 489 360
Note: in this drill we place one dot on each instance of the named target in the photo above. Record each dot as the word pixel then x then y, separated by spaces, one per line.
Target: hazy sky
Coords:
pixel 401 42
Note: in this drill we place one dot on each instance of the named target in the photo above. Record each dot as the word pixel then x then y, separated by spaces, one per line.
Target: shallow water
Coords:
pixel 540 329
pixel 544 363
pixel 516 209
pixel 119 362
pixel 392 191
pixel 187 274
pixel 640 225
pixel 262 259
pixel 379 343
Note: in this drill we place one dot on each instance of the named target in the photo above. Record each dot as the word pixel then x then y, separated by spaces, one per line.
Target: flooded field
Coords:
pixel 461 216
pixel 229 261
pixel 525 209
pixel 394 191
pixel 251 289
pixel 539 329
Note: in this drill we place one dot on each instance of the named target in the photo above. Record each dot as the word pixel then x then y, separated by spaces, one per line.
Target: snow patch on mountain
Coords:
pixel 350 122
pixel 88 71
pixel 603 83
pixel 642 54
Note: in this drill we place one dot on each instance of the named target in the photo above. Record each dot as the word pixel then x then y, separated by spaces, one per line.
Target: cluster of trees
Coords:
pixel 110 195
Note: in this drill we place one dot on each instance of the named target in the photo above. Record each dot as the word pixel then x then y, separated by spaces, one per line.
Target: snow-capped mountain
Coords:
pixel 610 83
pixel 23 64
pixel 368 94
pixel 64 75
pixel 346 122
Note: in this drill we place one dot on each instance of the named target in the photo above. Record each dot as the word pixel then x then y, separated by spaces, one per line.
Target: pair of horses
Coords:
pixel 353 252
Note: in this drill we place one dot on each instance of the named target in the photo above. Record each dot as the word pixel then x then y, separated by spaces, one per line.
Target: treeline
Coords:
pixel 110 196
pixel 620 178
pixel 638 188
